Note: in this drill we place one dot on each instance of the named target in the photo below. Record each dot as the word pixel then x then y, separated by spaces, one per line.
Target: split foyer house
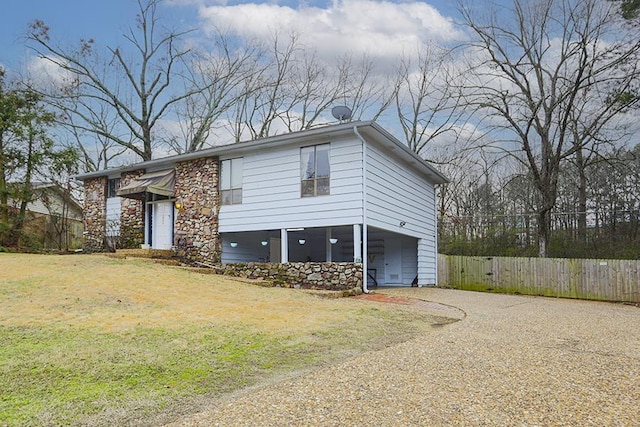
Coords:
pixel 341 193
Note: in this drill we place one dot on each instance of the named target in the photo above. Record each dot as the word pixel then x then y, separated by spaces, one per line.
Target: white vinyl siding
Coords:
pixel 114 207
pixel 271 191
pixel 397 194
pixel 54 206
pixel 409 260
pixel 113 216
pixel 427 265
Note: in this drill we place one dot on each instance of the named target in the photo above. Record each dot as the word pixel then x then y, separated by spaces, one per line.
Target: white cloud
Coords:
pixel 380 29
pixel 46 74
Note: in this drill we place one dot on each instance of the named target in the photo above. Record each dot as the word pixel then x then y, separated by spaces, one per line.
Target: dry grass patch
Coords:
pixel 115 295
pixel 94 340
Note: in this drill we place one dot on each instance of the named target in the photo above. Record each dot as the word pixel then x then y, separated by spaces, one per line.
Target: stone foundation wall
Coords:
pixel 196 234
pixel 95 214
pixel 332 276
pixel 131 215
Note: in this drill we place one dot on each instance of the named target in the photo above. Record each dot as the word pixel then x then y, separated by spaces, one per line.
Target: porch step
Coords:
pixel 145 253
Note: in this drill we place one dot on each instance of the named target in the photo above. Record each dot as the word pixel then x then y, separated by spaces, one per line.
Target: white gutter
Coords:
pixel 365 237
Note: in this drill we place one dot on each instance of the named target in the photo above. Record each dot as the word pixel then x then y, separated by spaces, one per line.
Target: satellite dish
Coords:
pixel 341 112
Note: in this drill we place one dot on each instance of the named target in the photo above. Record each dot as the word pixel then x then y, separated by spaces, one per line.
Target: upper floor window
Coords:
pixel 231 181
pixel 314 170
pixel 113 184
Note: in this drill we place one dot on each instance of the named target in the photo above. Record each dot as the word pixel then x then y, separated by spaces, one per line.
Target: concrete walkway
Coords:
pixel 511 361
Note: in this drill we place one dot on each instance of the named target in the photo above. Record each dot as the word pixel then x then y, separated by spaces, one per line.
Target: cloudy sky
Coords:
pixel 378 28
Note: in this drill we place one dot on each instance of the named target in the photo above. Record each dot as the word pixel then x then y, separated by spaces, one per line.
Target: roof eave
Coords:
pixel 299 136
pixel 227 149
pixel 434 174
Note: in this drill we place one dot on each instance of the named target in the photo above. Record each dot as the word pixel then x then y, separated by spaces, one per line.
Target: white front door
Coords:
pixel 162 225
pixel 392 261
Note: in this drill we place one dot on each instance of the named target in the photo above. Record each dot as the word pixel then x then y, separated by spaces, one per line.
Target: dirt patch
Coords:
pixel 431 307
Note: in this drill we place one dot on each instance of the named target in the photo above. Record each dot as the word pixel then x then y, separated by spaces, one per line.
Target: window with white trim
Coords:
pixel 314 170
pixel 231 181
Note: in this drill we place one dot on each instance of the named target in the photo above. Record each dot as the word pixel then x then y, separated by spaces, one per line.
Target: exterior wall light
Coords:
pixel 302 241
pixel 178 205
pixel 233 244
pixel 264 243
pixel 333 240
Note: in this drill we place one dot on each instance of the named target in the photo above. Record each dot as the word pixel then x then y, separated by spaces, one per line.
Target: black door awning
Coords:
pixel 160 183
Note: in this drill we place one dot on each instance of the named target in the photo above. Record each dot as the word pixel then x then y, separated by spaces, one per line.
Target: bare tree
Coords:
pixel 428 104
pixel 367 91
pixel 288 88
pixel 218 79
pixel 136 89
pixel 265 96
pixel 96 151
pixel 537 64
pixel 315 90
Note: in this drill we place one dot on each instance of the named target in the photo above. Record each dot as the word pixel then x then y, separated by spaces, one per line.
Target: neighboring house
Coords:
pixel 302 196
pixel 54 217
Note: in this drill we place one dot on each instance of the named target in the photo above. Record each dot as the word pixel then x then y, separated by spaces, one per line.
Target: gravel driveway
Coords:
pixel 512 360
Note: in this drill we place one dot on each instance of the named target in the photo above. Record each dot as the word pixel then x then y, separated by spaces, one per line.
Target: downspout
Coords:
pixel 365 241
pixel 435 238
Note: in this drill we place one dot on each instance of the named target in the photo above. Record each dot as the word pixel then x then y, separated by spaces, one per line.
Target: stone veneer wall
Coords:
pixel 333 276
pixel 95 214
pixel 131 215
pixel 196 234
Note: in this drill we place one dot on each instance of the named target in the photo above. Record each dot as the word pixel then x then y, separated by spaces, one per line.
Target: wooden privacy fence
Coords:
pixel 607 280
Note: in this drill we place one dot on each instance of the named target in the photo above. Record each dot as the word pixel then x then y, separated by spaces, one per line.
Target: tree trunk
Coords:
pixel 25 193
pixel 4 199
pixel 544 233
pixel 582 198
